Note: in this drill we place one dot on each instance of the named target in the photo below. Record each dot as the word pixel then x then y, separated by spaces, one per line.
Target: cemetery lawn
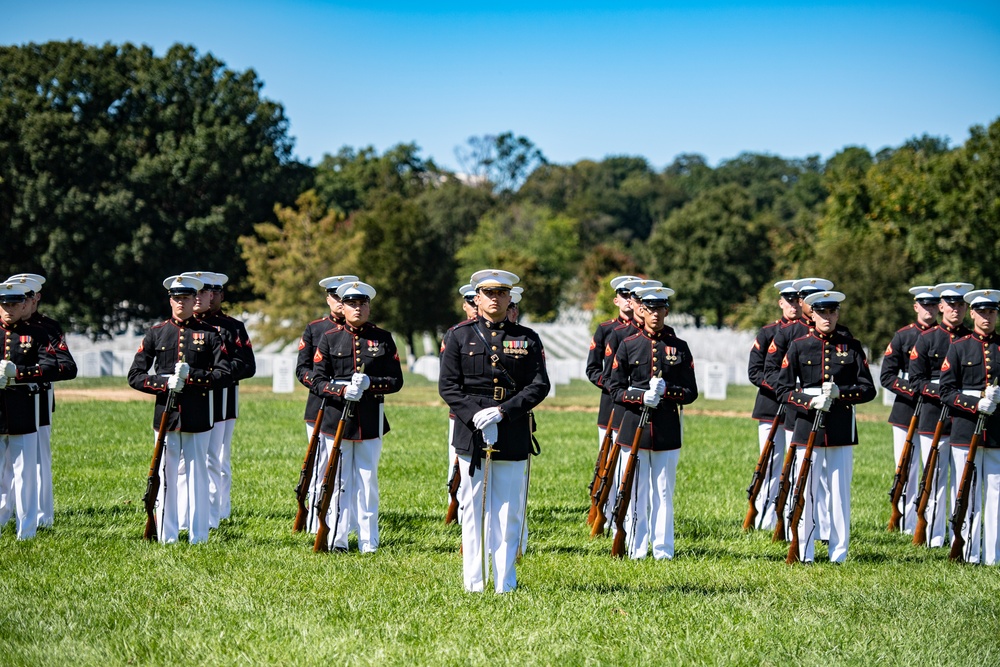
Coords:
pixel 90 591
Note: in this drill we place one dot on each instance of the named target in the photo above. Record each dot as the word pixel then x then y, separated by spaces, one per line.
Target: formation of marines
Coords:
pixel 810 372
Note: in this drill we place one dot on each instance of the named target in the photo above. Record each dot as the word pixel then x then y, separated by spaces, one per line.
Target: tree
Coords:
pixel 402 255
pixel 713 252
pixel 502 160
pixel 286 260
pixel 355 179
pixel 119 168
pixel 532 242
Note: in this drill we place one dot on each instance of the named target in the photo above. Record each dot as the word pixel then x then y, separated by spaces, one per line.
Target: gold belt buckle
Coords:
pixel 499 393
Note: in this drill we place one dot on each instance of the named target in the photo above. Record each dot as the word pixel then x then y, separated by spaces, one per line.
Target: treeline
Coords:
pixel 118 168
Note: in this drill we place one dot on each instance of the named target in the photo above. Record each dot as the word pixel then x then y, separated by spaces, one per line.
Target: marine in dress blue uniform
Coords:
pixel 926 358
pixel 188 357
pixel 66 370
pixel 303 372
pixel 655 350
pixel 338 378
pixel 968 378
pixel 492 375
pixel 766 404
pixel 27 361
pixel 895 377
pixel 825 370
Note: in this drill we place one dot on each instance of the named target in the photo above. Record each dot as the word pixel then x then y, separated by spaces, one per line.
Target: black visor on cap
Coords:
pixel 181 291
pixel 656 303
pixel 985 305
pixel 953 299
pixel 826 305
pixel 929 300
pixel 12 298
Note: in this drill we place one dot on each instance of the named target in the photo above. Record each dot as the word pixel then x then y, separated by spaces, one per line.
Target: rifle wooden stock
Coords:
pixel 305 475
pixel 763 462
pixel 962 494
pixel 798 504
pixel 451 515
pixel 920 530
pixel 903 470
pixel 600 472
pixel 597 527
pixel 625 490
pixel 784 488
pixel 153 479
pixel 326 490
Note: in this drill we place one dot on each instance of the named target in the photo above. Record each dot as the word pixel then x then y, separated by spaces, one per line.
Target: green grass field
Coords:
pixel 91 591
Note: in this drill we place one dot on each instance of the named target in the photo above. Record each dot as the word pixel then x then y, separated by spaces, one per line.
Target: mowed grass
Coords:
pixel 91 591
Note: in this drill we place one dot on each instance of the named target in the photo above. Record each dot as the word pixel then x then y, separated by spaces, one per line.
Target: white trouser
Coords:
pixel 937 511
pixel 522 546
pixel 193 447
pixel 225 485
pixel 316 477
pixel 451 468
pixel 981 525
pixel 219 480
pixel 766 517
pixel 911 485
pixel 502 523
pixel 613 480
pixel 837 465
pixel 19 456
pixel 651 505
pixel 354 504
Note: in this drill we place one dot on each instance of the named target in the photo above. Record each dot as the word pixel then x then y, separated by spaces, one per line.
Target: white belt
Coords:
pixel 937 381
pixel 813 391
pixel 978 393
pixel 903 375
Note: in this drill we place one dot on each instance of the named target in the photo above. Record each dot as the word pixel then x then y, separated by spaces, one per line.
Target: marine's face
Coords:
pixel 182 305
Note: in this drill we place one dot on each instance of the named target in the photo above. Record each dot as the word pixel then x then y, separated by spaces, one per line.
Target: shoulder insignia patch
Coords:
pixel 888 350
pixel 608 351
pixel 302 343
pixel 141 346
pixel 913 352
pixel 614 364
pixel 317 357
pixel 773 348
pixel 945 366
pixel 756 344
pixel 593 343
pixel 784 362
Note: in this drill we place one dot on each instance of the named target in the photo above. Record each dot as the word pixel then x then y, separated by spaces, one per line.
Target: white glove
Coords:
pixel 831 389
pixel 993 393
pixel 175 383
pixel 490 434
pixel 986 406
pixel 659 384
pixel 182 370
pixel 8 368
pixel 651 397
pixel 361 380
pixel 4 381
pixel 486 416
pixel 821 402
pixel 352 392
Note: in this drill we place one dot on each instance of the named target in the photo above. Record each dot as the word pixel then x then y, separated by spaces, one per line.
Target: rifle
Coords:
pixel 903 470
pixel 763 462
pixel 628 478
pixel 799 501
pixel 451 515
pixel 305 475
pixel 962 494
pixel 930 467
pixel 604 489
pixel 784 488
pixel 326 490
pixel 600 471
pixel 153 479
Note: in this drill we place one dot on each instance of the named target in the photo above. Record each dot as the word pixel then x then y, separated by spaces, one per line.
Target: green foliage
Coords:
pixel 355 179
pixel 501 160
pixel 113 159
pixel 285 261
pixel 538 246
pixel 712 252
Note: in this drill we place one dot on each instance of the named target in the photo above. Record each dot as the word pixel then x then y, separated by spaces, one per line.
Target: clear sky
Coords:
pixel 580 79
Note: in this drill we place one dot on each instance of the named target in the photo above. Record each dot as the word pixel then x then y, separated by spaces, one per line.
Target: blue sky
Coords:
pixel 582 79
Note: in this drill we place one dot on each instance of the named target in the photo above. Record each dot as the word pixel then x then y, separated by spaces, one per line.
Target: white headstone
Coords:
pixel 283 380
pixel 90 364
pixel 716 375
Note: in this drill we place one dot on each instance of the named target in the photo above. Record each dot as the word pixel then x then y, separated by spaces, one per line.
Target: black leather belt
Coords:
pixel 496 393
